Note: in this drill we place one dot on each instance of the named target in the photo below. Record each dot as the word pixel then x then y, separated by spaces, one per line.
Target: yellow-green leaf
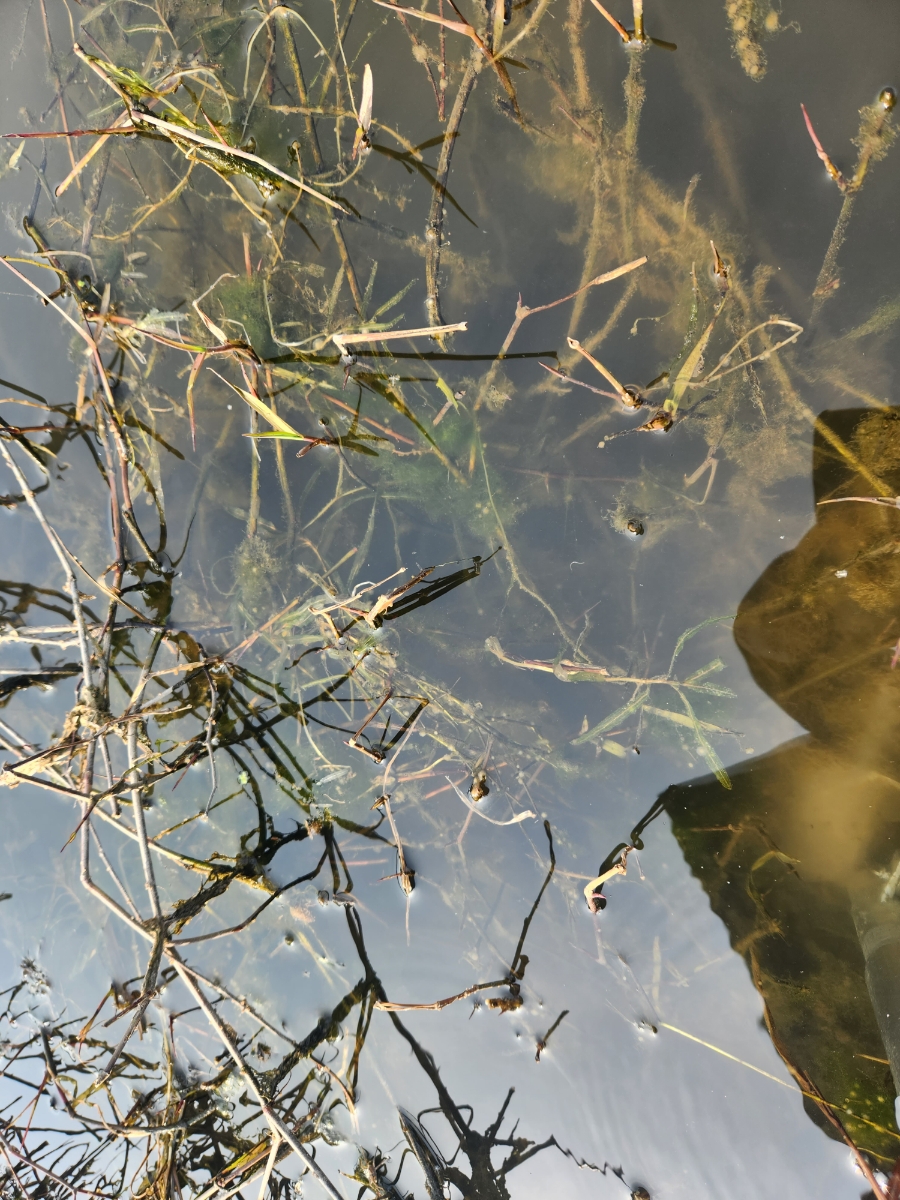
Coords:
pixel 269 414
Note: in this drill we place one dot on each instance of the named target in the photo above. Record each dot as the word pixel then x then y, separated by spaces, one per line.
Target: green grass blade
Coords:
pixel 613 719
pixel 689 633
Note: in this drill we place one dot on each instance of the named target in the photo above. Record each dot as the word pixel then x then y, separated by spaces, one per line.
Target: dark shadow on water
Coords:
pixel 801 859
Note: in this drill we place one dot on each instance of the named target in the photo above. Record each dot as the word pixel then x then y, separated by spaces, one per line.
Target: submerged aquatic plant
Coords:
pixel 751 22
pixel 873 140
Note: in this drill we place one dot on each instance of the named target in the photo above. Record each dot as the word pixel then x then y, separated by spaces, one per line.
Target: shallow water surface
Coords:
pixel 471 756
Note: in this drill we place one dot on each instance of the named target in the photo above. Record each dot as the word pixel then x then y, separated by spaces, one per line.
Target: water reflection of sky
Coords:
pixel 676 1116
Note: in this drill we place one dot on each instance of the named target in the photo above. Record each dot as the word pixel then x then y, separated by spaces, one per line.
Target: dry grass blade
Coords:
pixel 621 392
pixel 343 340
pixel 884 501
pixel 620 29
pixel 456 26
pixel 523 311
pixel 463 26
pixel 578 382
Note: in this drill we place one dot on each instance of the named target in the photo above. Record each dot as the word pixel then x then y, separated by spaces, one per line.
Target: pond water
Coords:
pixel 493 777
